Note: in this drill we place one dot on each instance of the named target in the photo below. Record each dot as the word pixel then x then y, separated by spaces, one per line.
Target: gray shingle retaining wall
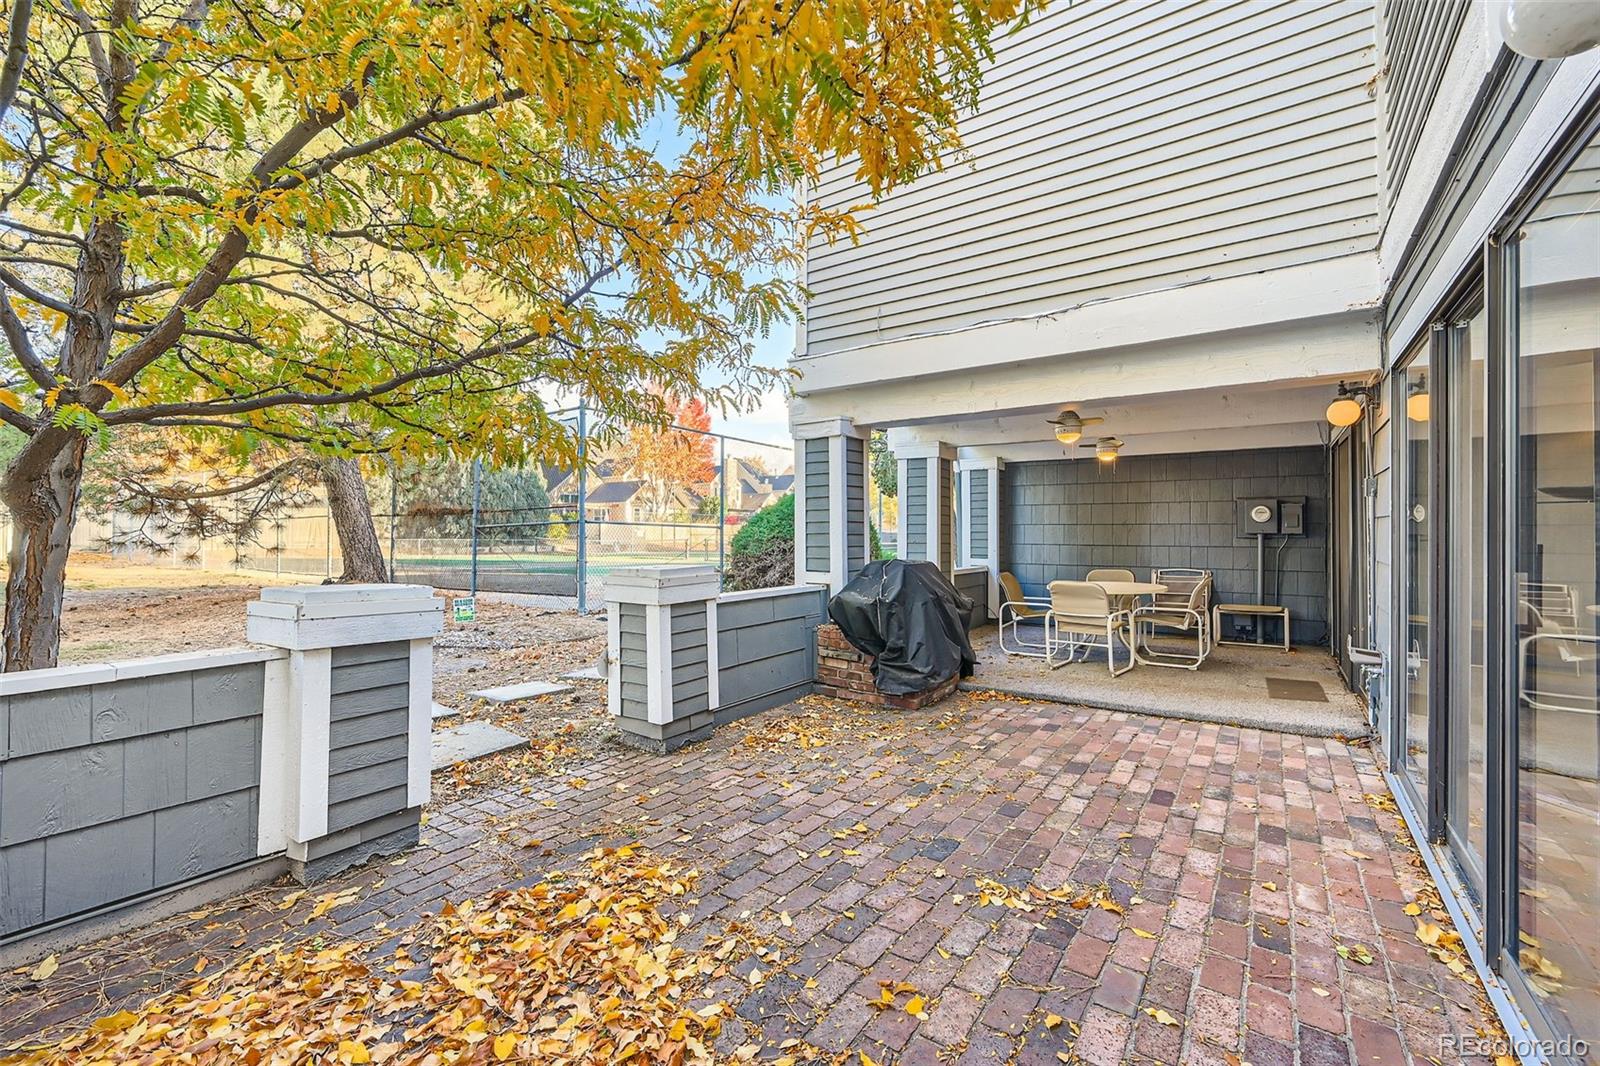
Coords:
pixel 767 647
pixel 114 788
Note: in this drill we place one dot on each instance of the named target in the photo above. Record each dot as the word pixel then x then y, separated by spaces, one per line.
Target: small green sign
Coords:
pixel 464 608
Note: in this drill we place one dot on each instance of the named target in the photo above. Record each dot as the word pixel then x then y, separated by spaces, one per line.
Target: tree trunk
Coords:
pixel 42 515
pixel 352 518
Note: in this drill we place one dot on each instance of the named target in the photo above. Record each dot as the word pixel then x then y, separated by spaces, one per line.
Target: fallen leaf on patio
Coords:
pixel 1413 909
pixel 866 1060
pixel 1270 886
pixel 43 971
pixel 943 954
pixel 788 922
pixel 1162 1016
pixel 755 977
pixel 811 982
pixel 1145 935
pixel 1527 938
pixel 1354 854
pixel 851 851
pixel 354 1052
pixel 824 853
pixel 1381 801
pixel 1323 992
pixel 201 963
pixel 917 1007
pixel 1062 1056
pixel 1355 953
pixel 1052 1020
pixel 504 1045
pixel 290 900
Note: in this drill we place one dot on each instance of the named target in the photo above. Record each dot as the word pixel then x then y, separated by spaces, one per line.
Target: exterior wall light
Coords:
pixel 1346 409
pixel 1550 29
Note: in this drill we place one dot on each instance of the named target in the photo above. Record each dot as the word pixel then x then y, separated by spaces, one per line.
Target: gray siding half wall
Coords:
pixel 767 648
pixel 817 509
pixel 634 660
pixel 113 790
pixel 914 498
pixel 368 720
pixel 974 584
pixel 1065 517
pixel 947 557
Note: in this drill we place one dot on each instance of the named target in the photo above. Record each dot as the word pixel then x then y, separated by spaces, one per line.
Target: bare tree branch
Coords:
pixel 16 53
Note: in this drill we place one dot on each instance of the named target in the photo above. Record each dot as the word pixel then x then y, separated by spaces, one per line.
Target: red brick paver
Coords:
pixel 1247 857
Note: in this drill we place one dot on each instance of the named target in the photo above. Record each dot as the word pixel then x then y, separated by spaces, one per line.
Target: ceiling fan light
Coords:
pixel 1106 455
pixel 1344 412
pixel 1418 407
pixel 1068 436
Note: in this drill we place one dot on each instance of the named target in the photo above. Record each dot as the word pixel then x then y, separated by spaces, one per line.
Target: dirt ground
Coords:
pixel 122 611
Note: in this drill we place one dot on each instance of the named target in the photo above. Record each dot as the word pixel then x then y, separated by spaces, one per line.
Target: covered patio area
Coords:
pixel 1299 691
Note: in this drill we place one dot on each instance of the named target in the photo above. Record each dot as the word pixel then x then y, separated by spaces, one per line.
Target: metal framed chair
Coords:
pixel 1015 609
pixel 1180 581
pixel 1192 618
pixel 1113 573
pixel 1081 615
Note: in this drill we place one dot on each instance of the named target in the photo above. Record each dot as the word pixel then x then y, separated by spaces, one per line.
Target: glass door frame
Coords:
pixel 1502 287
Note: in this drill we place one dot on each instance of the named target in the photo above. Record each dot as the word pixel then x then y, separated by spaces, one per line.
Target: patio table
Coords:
pixel 1131 590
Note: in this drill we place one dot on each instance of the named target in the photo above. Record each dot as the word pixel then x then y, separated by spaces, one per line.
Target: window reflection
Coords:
pixel 1417 523
pixel 1557 536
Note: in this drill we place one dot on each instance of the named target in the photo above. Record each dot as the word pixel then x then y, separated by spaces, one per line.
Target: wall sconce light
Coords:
pixel 1418 404
pixel 1347 408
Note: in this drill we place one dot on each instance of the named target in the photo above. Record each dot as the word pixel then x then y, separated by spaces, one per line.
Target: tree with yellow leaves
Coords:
pixel 396 225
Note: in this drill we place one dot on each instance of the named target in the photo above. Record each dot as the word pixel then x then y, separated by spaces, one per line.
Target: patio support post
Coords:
pixel 831 519
pixel 978 540
pixel 662 653
pixel 927 503
pixel 334 792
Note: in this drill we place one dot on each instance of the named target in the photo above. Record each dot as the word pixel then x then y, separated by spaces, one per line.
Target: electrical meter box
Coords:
pixel 1292 516
pixel 1255 515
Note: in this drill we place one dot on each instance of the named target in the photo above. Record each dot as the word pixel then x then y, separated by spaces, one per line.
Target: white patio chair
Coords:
pixel 1113 573
pixel 1193 618
pixel 1081 615
pixel 1015 609
pixel 1180 581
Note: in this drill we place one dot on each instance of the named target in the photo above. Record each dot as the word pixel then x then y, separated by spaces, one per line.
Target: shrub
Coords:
pixel 761 554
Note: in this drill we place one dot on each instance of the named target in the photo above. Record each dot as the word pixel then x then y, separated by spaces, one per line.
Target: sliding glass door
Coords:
pixel 1553 272
pixel 1414 469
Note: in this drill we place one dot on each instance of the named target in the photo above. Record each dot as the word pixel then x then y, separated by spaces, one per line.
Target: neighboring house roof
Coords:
pixel 615 492
pixel 781 482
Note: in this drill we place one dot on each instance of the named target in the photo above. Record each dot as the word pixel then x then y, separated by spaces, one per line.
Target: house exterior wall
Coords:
pixel 1213 140
pixel 1066 517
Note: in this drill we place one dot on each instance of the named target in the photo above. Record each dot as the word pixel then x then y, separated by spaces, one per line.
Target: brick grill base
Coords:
pixel 845 673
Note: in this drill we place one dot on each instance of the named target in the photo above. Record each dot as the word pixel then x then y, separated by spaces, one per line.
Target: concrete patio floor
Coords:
pixel 1230 687
pixel 1259 878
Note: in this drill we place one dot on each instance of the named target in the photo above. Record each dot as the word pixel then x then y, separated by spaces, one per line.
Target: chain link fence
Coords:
pixel 644 497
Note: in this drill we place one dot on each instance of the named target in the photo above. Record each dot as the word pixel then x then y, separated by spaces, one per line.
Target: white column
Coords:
pixel 990 556
pixel 843 512
pixel 940 513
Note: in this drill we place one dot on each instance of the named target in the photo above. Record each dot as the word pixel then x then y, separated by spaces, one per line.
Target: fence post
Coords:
pixel 394 510
pixel 722 509
pixel 477 495
pixel 583 517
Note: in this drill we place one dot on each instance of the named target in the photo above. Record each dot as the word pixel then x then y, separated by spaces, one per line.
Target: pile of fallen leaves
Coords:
pixel 578 970
pixel 826 722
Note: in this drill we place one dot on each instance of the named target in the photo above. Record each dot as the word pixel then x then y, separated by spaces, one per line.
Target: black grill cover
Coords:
pixel 911 619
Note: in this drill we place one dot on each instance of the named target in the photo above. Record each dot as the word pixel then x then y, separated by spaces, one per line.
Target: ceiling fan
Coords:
pixel 1105 449
pixel 1069 425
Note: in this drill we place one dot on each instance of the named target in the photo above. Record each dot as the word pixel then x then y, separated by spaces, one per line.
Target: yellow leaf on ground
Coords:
pixel 1270 886
pixel 1052 1020
pixel 1413 909
pixel 1162 1016
pixel 1145 934
pixel 504 1045
pixel 43 971
pixel 917 1007
pixel 354 1052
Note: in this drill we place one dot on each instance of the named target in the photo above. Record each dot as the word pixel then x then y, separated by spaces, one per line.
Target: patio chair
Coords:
pixel 1081 614
pixel 1017 608
pixel 1112 573
pixel 1193 618
pixel 1180 581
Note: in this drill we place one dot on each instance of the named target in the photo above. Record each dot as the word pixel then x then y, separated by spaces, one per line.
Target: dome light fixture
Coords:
pixel 1418 404
pixel 1348 407
pixel 1068 436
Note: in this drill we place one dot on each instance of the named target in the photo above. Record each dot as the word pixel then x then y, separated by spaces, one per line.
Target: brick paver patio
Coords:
pixel 1241 861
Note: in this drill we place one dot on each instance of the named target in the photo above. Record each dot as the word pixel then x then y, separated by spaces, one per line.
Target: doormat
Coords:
pixel 1288 688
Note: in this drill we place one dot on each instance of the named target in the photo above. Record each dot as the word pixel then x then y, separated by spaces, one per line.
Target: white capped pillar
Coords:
pixel 978 539
pixel 927 503
pixel 662 673
pixel 831 532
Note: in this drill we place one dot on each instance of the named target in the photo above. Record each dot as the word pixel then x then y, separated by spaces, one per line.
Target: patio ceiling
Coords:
pixel 1270 415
